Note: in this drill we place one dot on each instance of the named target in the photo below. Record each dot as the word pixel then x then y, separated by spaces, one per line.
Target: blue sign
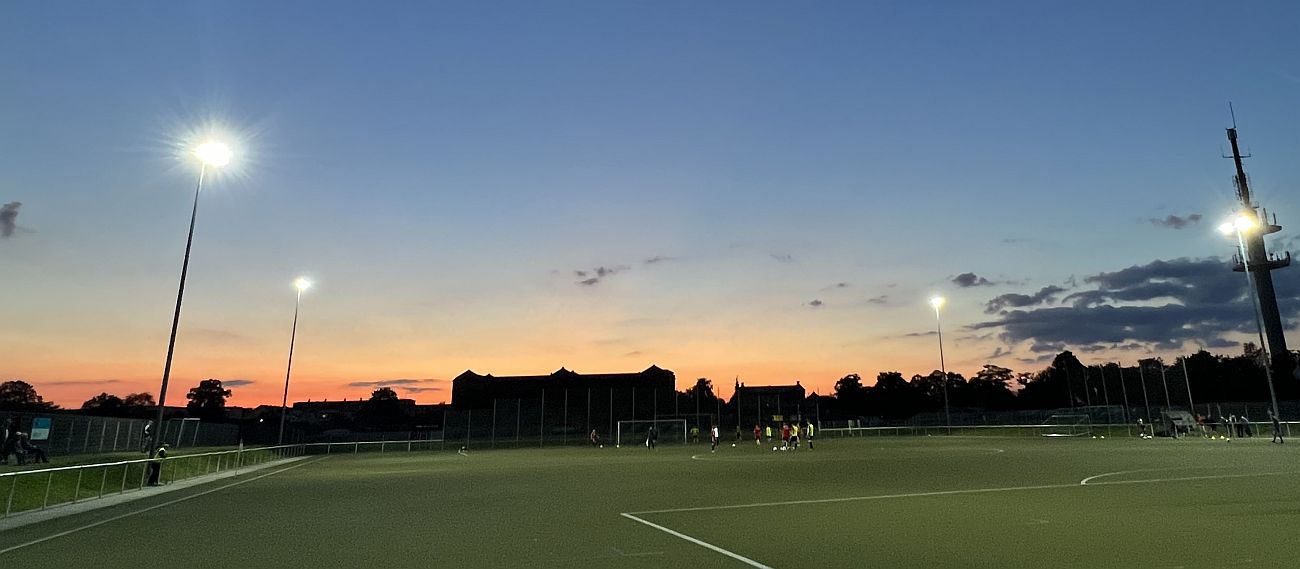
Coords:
pixel 41 428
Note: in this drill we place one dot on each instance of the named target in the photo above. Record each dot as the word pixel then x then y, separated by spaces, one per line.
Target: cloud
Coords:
pixel 1013 300
pixel 600 272
pixel 882 299
pixel 1174 222
pixel 967 280
pixel 632 354
pixel 236 382
pixel 999 352
pixel 9 218
pixel 420 389
pixel 79 382
pixel 783 257
pixel 391 382
pixel 816 303
pixel 918 334
pixel 657 259
pixel 1161 304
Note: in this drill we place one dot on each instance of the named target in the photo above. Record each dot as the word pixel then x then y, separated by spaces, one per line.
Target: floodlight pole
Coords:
pixel 176 317
pixel 293 336
pixel 1259 326
pixel 943 368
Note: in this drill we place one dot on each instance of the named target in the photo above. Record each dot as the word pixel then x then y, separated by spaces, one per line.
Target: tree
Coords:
pixel 991 389
pixel 139 400
pixel 892 397
pixel 18 395
pixel 103 404
pixel 851 395
pixel 208 400
pixel 383 394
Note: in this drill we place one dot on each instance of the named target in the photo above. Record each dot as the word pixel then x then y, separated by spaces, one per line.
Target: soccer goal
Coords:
pixel 1067 426
pixel 634 432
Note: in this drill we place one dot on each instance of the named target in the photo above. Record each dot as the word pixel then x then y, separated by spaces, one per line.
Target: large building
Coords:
pixel 654 386
pixel 771 404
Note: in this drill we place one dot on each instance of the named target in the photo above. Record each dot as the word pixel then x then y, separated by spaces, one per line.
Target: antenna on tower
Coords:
pixel 1233 114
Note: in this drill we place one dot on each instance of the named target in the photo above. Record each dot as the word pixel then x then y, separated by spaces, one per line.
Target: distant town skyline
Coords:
pixel 760 190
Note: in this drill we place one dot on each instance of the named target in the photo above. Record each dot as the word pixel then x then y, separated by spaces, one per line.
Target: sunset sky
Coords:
pixel 768 190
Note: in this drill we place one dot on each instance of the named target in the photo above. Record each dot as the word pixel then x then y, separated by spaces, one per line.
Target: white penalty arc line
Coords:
pixel 706 545
pixel 151 508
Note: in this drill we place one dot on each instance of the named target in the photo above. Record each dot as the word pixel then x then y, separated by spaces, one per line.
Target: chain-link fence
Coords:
pixel 81 434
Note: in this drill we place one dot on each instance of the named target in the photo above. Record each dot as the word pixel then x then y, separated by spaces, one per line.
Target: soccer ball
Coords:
pixel 1103 436
pixel 602 446
pixel 773 448
pixel 733 444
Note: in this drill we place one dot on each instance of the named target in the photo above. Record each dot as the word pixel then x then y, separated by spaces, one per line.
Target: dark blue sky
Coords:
pixel 443 170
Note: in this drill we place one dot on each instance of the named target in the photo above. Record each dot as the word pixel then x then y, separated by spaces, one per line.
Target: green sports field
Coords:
pixel 857 502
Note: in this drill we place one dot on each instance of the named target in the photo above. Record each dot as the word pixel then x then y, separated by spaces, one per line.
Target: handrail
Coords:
pixel 136 461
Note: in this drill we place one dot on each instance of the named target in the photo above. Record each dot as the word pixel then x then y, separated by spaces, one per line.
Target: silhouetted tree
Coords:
pixel 892 397
pixel 139 400
pixel 851 395
pixel 103 404
pixel 18 395
pixel 207 400
pixel 384 394
pixel 990 388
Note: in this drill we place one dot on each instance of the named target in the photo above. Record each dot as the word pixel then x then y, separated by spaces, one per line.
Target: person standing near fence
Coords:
pixel 25 445
pixel 1277 428
pixel 155 466
pixel 809 430
pixel 146 437
pixel 5 449
pixel 713 439
pixel 650 438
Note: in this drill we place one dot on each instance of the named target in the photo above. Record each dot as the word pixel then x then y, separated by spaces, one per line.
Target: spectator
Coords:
pixel 26 446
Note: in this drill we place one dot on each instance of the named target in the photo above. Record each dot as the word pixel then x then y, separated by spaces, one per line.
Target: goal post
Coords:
pixel 634 432
pixel 1067 425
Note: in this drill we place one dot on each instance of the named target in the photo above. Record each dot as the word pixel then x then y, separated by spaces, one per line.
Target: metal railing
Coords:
pixel 1256 429
pixel 32 490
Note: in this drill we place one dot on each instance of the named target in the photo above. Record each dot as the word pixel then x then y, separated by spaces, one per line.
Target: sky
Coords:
pixel 768 191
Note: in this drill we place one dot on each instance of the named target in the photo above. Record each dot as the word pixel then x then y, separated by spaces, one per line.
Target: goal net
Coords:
pixel 635 432
pixel 1067 426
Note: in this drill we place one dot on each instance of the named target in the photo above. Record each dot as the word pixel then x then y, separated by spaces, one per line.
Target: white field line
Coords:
pixel 712 457
pixel 1085 481
pixel 948 493
pixel 153 507
pixel 737 557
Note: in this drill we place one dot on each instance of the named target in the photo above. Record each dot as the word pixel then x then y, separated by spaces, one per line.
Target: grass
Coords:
pixel 853 502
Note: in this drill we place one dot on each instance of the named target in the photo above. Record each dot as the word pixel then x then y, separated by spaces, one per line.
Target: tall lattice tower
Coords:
pixel 1259 261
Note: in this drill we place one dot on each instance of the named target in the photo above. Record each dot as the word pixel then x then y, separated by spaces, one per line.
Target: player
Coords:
pixel 810 435
pixel 758 435
pixel 794 436
pixel 769 433
pixel 785 436
pixel 713 439
pixel 1277 428
pixel 651 437
pixel 595 439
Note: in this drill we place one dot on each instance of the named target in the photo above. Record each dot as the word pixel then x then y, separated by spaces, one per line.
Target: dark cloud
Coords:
pixel 600 272
pixel 420 389
pixel 236 382
pixel 1010 240
pixel 783 258
pixel 999 352
pixel 1162 304
pixel 1014 300
pixel 657 259
pixel 632 354
pixel 919 334
pixel 841 285
pixel 816 303
pixel 391 382
pixel 9 218
pixel 882 299
pixel 1174 222
pixel 967 280
pixel 80 382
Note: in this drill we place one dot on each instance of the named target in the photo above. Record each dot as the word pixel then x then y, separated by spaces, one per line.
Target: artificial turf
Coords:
pixel 854 502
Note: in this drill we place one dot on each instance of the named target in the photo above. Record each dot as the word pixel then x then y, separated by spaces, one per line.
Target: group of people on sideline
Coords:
pixel 17 443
